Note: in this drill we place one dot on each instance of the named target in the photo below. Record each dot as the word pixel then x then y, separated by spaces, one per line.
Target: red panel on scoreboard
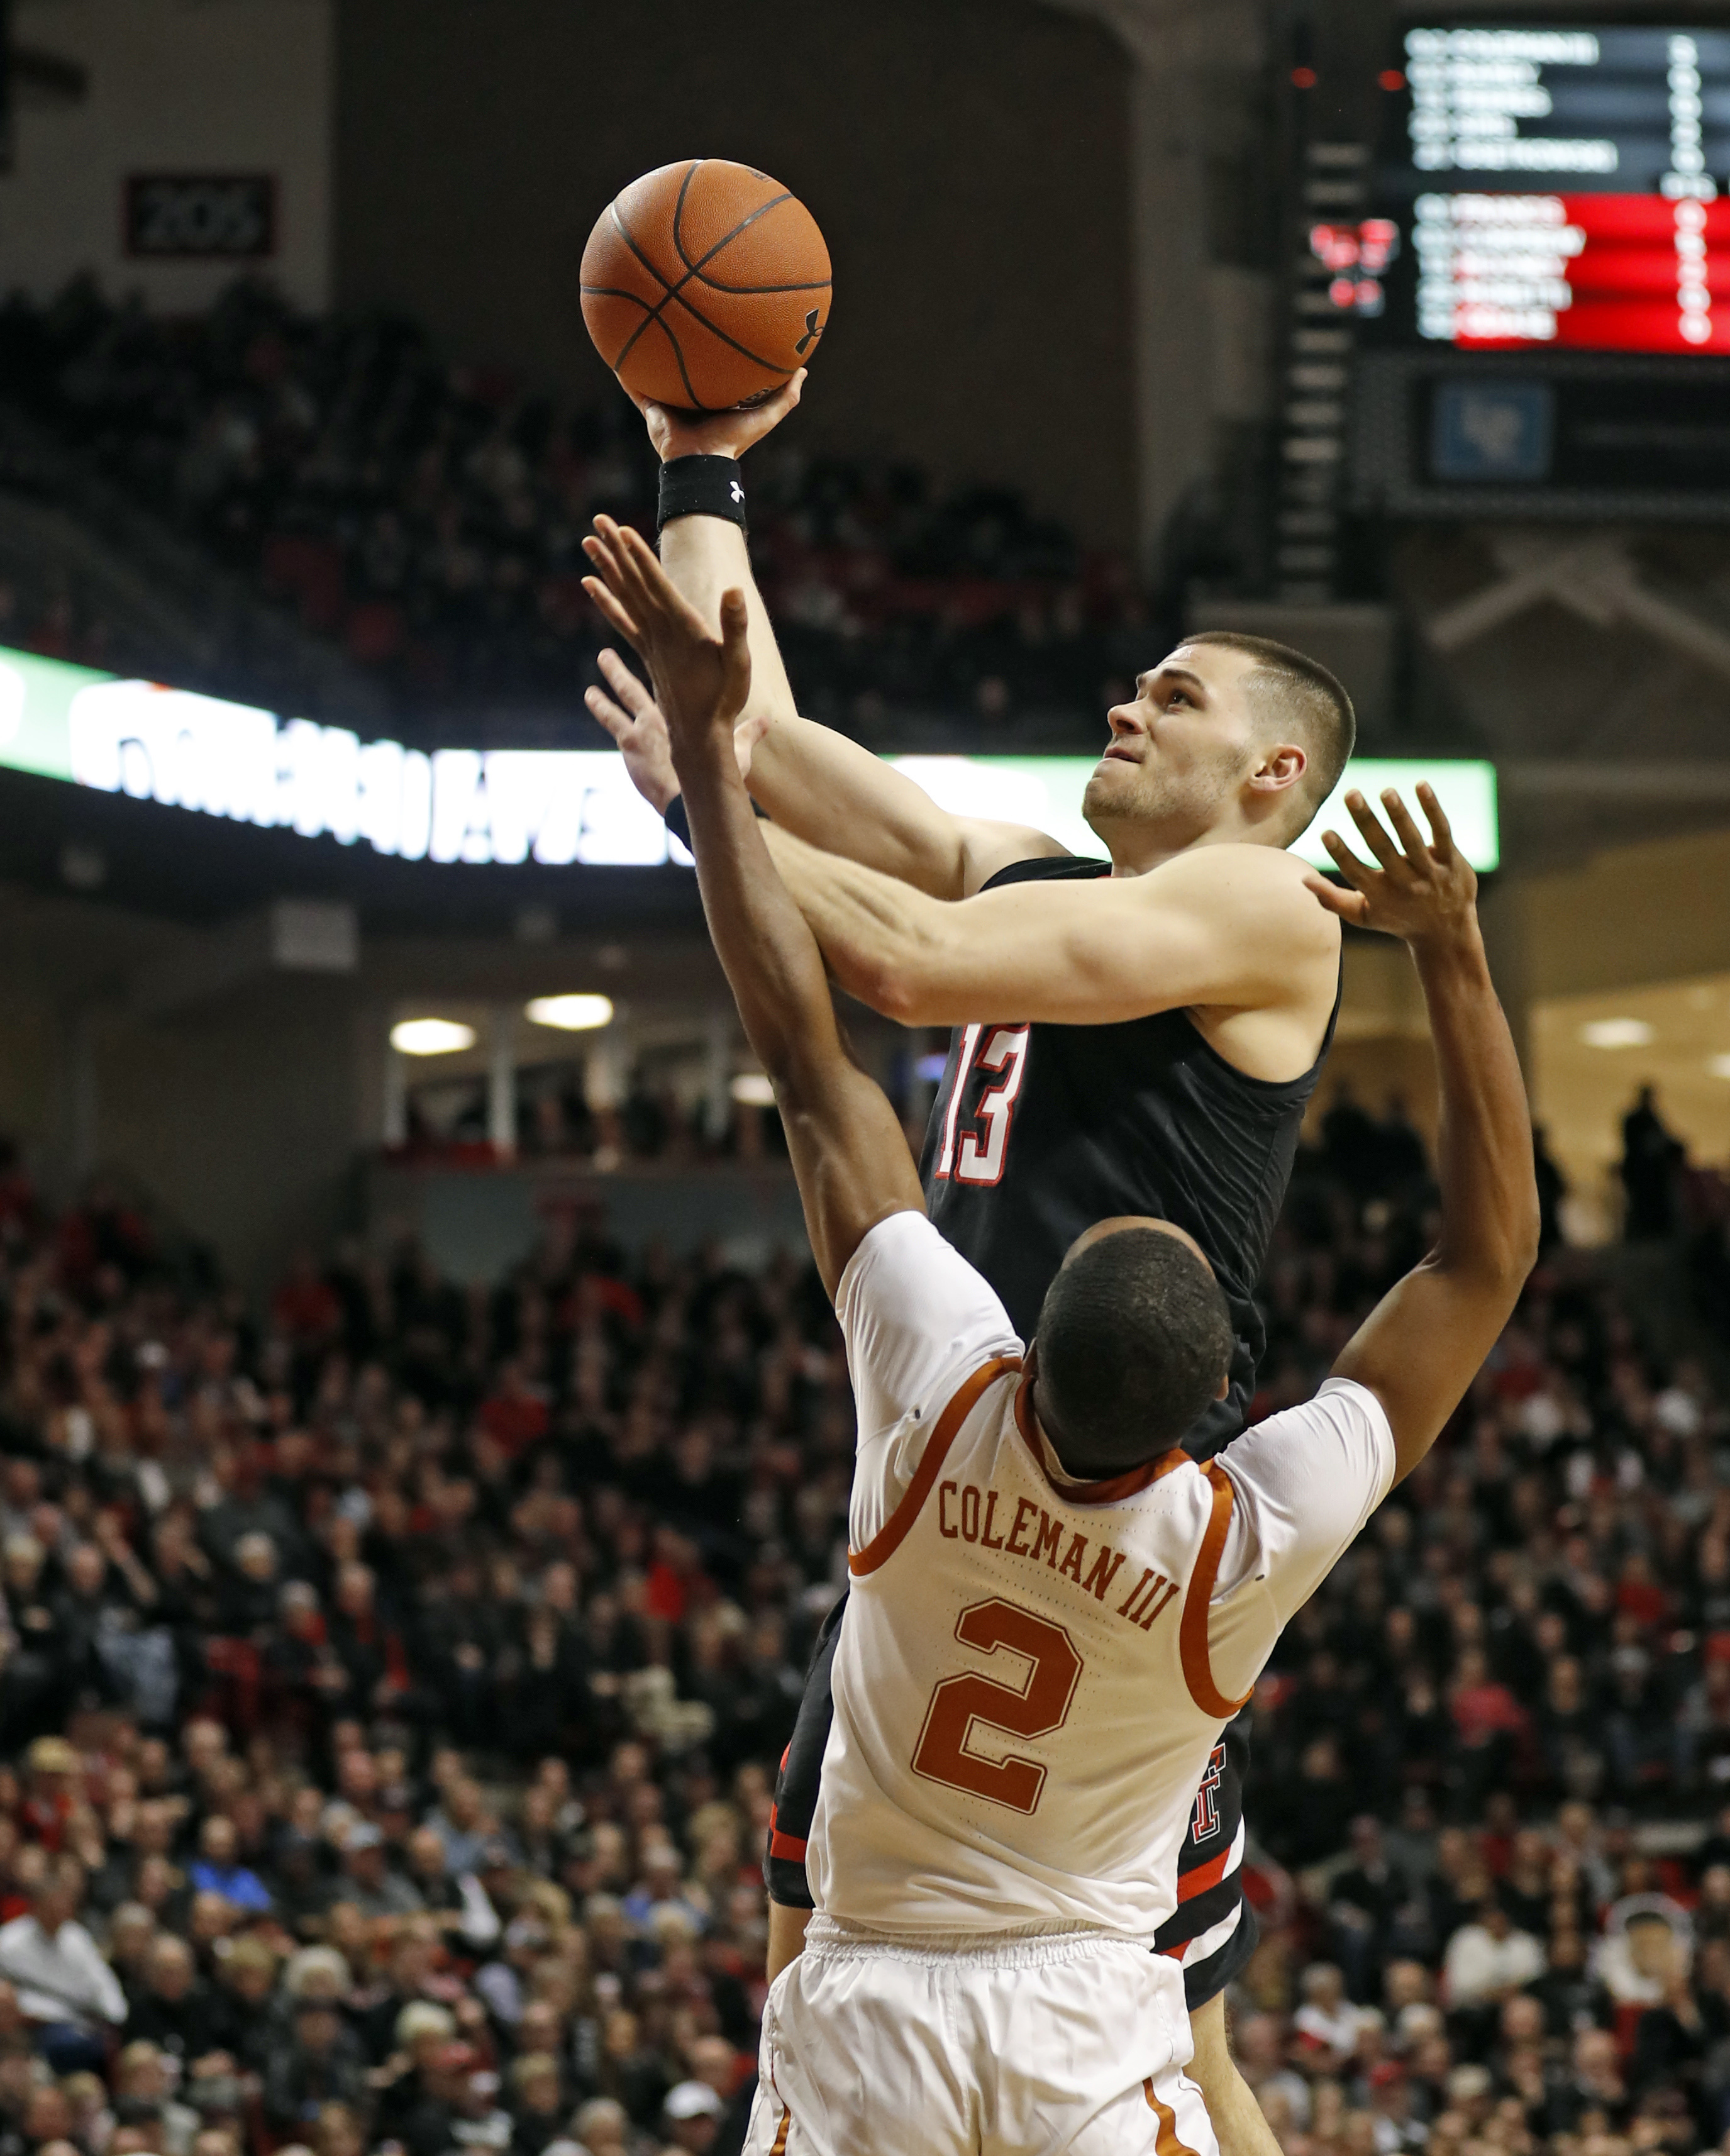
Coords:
pixel 1596 272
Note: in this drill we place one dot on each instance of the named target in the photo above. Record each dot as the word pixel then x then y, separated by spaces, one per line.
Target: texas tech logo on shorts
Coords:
pixel 1204 1820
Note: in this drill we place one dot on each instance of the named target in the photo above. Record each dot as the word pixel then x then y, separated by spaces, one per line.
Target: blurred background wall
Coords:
pixel 969 165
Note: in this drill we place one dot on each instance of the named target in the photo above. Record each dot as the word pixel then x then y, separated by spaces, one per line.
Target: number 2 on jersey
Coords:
pixel 1005 1050
pixel 1033 1709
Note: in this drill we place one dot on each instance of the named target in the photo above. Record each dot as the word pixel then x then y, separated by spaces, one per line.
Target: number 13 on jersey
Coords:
pixel 962 1154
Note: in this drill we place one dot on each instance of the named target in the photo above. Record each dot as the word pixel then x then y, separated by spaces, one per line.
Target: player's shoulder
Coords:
pixel 1237 877
pixel 1342 1420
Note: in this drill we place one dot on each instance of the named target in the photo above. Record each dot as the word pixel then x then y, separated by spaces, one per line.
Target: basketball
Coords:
pixel 704 284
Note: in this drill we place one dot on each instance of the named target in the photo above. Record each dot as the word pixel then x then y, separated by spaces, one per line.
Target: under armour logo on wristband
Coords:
pixel 701 486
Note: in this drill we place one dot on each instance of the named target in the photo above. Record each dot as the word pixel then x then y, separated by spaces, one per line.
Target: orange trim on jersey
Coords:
pixel 1167 2143
pixel 780 2146
pixel 1192 1631
pixel 1115 1488
pixel 889 1537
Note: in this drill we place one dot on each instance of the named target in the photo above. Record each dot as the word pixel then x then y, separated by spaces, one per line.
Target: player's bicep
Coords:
pixel 835 794
pixel 1096 953
pixel 912 1311
pixel 1066 954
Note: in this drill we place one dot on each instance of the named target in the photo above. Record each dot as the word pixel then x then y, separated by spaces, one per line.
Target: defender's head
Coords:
pixel 1134 1340
pixel 1229 730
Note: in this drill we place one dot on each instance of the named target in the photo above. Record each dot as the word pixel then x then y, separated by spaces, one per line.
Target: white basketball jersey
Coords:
pixel 1025 1694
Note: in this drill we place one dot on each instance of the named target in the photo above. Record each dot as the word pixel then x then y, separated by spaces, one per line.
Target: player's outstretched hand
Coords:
pixel 675 434
pixel 632 718
pixel 1423 892
pixel 701 681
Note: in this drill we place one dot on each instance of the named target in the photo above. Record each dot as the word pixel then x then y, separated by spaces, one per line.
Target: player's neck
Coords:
pixel 1138 846
pixel 1060 1477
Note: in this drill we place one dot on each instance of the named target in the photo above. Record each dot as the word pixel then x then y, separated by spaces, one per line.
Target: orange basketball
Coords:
pixel 704 284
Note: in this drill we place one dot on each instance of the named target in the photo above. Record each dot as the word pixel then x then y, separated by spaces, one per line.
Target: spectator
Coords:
pixel 1651 1157
pixel 175 2010
pixel 63 1984
pixel 320 2064
pixel 538 2106
pixel 1487 1958
pixel 215 1869
pixel 1552 1190
pixel 691 2116
pixel 1328 2024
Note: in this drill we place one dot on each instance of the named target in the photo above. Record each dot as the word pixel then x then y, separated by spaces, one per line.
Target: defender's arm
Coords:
pixel 849 1153
pixel 1224 927
pixel 1424 1342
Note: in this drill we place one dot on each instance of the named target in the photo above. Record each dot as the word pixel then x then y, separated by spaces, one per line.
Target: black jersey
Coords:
pixel 1040 1131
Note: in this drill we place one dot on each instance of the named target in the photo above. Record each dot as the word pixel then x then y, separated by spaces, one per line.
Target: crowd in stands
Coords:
pixel 430 516
pixel 391 1681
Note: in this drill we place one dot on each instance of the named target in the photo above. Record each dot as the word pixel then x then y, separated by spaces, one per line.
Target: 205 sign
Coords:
pixel 201 216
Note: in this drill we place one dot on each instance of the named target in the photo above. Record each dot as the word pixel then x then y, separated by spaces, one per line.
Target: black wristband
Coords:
pixel 701 486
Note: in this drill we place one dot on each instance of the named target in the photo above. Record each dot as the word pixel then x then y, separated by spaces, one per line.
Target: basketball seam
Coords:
pixel 750 291
pixel 695 271
pixel 757 359
pixel 679 212
pixel 654 313
pixel 679 356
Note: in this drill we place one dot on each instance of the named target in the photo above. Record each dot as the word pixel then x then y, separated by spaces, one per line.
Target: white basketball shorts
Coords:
pixel 1054 2044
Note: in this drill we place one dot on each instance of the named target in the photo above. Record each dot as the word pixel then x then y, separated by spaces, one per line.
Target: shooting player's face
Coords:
pixel 1183 746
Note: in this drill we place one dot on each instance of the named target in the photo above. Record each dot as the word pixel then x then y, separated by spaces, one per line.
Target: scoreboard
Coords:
pixel 1540 279
pixel 1560 187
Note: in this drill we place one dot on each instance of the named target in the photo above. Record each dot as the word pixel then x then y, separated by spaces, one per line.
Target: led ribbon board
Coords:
pixel 556 807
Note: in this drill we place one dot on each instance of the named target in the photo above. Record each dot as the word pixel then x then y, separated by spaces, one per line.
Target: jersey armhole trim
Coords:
pixel 890 1536
pixel 1192 1631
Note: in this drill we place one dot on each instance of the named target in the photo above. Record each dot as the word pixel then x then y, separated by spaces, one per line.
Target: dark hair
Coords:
pixel 1134 1338
pixel 1303 694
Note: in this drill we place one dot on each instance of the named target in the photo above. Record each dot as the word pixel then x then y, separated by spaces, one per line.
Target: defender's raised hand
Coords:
pixel 1426 893
pixel 701 681
pixel 639 732
pixel 632 718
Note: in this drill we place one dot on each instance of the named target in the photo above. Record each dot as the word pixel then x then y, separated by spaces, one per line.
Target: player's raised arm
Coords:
pixel 848 1150
pixel 1424 1342
pixel 812 780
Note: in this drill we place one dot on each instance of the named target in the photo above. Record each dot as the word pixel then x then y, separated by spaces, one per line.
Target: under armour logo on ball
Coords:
pixel 812 332
pixel 738 491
